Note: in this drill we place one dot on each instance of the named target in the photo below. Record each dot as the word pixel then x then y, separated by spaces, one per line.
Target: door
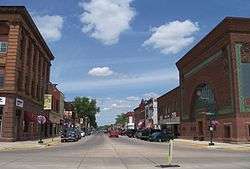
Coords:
pixel 200 129
pixel 18 124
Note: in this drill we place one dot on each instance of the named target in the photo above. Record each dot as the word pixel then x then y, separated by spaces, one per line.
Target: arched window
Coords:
pixel 203 101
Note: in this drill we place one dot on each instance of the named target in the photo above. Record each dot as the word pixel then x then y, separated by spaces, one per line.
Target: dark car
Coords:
pixel 138 134
pixel 69 135
pixel 130 133
pixel 147 133
pixel 161 137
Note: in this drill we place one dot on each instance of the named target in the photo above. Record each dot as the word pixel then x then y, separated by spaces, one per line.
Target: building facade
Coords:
pixel 151 113
pixel 54 108
pixel 25 62
pixel 139 115
pixel 169 111
pixel 130 120
pixel 215 84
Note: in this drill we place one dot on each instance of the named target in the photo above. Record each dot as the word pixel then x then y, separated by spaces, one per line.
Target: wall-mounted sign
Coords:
pixel 41 119
pixel 47 102
pixel 2 101
pixel 19 102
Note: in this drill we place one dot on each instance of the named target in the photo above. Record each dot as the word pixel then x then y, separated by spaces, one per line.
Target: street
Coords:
pixel 101 152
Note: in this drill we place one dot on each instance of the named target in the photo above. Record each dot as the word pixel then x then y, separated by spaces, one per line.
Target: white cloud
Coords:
pixel 173 36
pixel 160 76
pixel 133 98
pixel 100 71
pixel 50 26
pixel 105 20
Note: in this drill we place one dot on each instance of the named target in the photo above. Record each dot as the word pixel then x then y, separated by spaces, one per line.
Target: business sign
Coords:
pixel 41 119
pixel 19 102
pixel 2 101
pixel 47 102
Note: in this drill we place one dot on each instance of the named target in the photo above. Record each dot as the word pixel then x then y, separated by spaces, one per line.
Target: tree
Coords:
pixel 85 107
pixel 121 119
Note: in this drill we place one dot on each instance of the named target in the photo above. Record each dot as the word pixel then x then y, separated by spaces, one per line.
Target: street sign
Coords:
pixel 41 119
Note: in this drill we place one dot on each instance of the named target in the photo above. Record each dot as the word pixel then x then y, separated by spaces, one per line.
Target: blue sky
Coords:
pixel 119 51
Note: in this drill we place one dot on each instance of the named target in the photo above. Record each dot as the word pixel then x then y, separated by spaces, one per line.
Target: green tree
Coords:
pixel 85 107
pixel 121 119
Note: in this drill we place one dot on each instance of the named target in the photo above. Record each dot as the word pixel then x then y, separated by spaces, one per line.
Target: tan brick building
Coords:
pixel 169 111
pixel 215 84
pixel 25 62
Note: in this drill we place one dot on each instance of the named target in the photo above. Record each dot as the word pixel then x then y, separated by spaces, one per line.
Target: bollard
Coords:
pixel 170 152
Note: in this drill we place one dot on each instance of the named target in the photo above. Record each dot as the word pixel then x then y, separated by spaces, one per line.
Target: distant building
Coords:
pixel 54 109
pixel 139 115
pixel 25 61
pixel 69 114
pixel 151 113
pixel 169 111
pixel 131 120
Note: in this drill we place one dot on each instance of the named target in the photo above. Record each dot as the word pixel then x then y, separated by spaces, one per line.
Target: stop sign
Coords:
pixel 41 119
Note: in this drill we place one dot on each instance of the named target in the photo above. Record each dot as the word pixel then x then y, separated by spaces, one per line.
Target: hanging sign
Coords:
pixel 19 102
pixel 47 102
pixel 2 101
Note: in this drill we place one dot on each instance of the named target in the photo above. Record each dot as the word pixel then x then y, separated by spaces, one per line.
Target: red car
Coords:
pixel 113 133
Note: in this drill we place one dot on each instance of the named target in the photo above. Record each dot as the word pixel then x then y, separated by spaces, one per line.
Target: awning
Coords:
pixel 30 117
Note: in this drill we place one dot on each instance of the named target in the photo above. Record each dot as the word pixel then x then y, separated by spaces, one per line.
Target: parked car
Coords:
pixel 113 133
pixel 161 137
pixel 147 133
pixel 69 135
pixel 130 133
pixel 138 134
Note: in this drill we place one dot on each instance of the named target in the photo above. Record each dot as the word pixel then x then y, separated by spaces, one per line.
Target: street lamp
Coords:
pixel 209 114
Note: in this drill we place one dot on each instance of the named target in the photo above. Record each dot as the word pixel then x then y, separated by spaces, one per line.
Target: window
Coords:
pixel 1 77
pixel 3 47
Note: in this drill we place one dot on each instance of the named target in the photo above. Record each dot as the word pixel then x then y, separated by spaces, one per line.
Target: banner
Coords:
pixel 47 102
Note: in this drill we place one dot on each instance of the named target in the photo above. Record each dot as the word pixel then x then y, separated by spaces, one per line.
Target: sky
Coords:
pixel 120 51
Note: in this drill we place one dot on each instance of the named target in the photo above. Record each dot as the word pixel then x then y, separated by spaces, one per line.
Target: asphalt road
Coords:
pixel 101 152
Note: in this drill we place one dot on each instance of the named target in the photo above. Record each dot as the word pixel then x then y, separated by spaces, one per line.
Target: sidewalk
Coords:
pixel 217 145
pixel 24 145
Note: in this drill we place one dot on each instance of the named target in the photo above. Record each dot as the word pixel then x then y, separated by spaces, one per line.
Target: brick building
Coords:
pixel 139 115
pixel 169 111
pixel 25 62
pixel 215 84
pixel 56 109
pixel 151 113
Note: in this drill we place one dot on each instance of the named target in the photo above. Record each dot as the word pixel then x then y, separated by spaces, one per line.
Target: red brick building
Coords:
pixel 215 84
pixel 169 111
pixel 55 113
pixel 139 115
pixel 25 62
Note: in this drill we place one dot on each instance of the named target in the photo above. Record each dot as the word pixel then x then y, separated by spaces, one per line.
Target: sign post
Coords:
pixel 41 120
